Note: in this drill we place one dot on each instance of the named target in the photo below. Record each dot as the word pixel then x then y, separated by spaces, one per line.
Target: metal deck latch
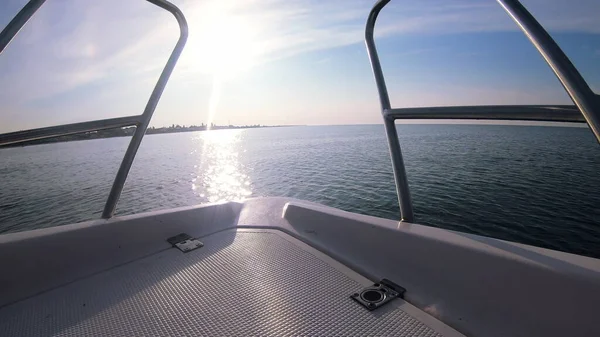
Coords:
pixel 378 294
pixel 184 242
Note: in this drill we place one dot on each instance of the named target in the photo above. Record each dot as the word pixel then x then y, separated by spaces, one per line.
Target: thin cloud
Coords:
pixel 98 42
pixel 110 45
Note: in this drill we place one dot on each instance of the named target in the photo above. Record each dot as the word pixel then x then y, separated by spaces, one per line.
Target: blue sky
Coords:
pixel 279 61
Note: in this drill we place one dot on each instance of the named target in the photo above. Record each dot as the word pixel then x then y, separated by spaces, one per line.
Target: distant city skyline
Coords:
pixel 278 62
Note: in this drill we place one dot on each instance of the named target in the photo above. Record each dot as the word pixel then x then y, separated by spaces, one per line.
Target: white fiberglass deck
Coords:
pixel 268 267
pixel 241 283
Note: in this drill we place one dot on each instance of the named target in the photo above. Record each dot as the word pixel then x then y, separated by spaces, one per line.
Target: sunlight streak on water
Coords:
pixel 508 182
pixel 220 171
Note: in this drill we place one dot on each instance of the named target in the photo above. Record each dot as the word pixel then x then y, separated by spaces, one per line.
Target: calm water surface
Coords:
pixel 536 185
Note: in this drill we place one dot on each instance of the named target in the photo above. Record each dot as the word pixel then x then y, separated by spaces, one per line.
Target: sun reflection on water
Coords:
pixel 221 176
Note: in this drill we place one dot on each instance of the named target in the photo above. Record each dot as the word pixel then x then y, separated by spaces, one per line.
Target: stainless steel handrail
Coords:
pixel 551 113
pixel 67 129
pixel 581 94
pixel 141 121
pixel 402 189
pixel 586 109
pixel 117 187
pixel 15 25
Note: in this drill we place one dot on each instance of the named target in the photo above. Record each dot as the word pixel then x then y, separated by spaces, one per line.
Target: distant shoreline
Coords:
pixel 124 132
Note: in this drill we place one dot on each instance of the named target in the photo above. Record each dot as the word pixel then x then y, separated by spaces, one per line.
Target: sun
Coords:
pixel 220 42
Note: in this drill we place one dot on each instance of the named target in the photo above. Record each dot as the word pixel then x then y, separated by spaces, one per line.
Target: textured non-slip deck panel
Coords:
pixel 239 283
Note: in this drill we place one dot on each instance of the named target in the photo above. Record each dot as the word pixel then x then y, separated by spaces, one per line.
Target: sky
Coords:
pixel 281 62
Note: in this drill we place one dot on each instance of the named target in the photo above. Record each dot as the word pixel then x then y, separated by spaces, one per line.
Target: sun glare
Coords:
pixel 221 43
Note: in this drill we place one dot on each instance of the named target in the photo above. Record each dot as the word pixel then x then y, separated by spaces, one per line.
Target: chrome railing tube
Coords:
pixel 586 109
pixel 15 25
pixel 581 94
pixel 117 187
pixel 402 189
